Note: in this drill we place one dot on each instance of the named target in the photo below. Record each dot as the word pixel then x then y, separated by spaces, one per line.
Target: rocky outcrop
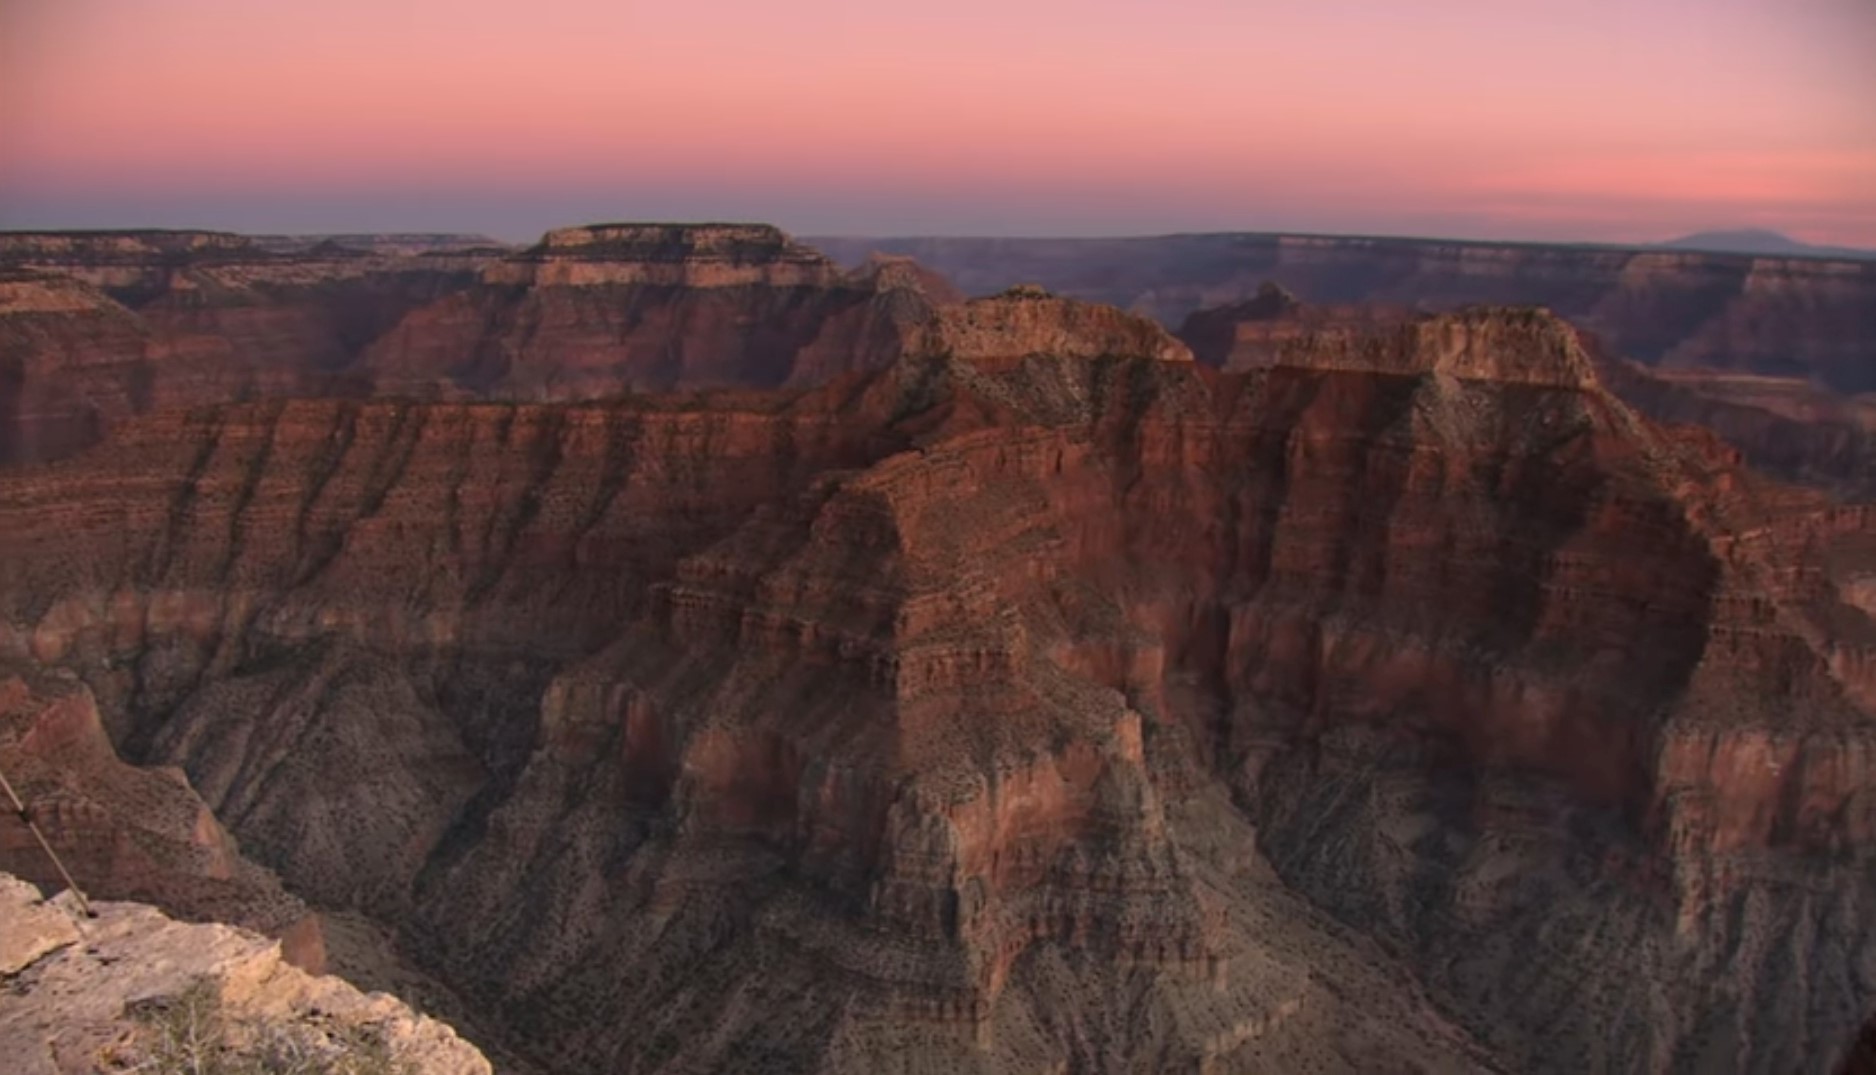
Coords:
pixel 1784 426
pixel 1789 428
pixel 1030 321
pixel 595 311
pixel 1780 316
pixel 131 987
pixel 125 832
pixel 1503 346
pixel 70 359
pixel 1414 706
pixel 95 327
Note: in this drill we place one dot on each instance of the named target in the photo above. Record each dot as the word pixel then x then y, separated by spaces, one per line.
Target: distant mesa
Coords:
pixel 383 243
pixel 676 242
pixel 1761 242
pixel 1785 315
pixel 101 247
pixel 1506 344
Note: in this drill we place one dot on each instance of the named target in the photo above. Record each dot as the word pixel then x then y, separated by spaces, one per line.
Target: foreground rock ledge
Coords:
pixel 68 989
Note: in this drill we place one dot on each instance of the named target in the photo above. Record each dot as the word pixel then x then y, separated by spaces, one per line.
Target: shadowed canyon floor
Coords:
pixel 999 690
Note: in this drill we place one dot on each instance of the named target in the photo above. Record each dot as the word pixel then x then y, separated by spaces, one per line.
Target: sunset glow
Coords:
pixel 1597 119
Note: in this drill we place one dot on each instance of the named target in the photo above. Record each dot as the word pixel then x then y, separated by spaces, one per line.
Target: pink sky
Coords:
pixel 1592 119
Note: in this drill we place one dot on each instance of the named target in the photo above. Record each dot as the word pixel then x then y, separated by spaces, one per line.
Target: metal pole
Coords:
pixel 26 816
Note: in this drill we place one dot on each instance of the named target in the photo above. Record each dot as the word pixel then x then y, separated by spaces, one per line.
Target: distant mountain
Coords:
pixel 1764 242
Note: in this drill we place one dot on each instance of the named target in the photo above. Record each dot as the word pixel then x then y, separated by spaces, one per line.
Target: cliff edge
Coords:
pixel 133 989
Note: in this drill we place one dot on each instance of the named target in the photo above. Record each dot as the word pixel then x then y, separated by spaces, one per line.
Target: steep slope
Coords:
pixel 1786 427
pixel 70 360
pixel 1789 316
pixel 125 832
pixel 97 326
pixel 590 312
pixel 1418 708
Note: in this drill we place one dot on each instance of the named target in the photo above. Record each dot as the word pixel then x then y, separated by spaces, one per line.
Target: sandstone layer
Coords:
pixel 1414 706
pixel 85 995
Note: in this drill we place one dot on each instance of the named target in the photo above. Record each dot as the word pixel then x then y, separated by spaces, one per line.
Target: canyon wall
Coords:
pixel 95 327
pixel 1787 427
pixel 1039 700
pixel 122 831
pixel 98 326
pixel 1796 317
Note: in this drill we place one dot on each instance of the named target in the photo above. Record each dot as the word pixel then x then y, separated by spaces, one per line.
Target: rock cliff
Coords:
pixel 126 832
pixel 1779 316
pixel 1787 427
pixel 95 327
pixel 1413 706
pixel 132 990
pixel 595 311
pixel 1029 321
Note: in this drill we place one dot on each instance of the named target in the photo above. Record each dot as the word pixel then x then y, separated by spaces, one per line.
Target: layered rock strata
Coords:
pixel 126 832
pixel 595 311
pixel 95 327
pixel 1785 427
pixel 1779 316
pixel 1416 707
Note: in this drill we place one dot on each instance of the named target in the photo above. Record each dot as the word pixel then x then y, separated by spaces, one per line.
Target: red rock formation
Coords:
pixel 69 357
pixel 95 327
pixel 1789 428
pixel 591 312
pixel 1029 321
pixel 1781 316
pixel 122 831
pixel 1002 710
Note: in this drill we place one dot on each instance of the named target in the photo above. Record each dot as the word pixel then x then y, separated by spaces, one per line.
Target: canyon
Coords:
pixel 1789 427
pixel 698 656
pixel 1805 317
pixel 96 327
